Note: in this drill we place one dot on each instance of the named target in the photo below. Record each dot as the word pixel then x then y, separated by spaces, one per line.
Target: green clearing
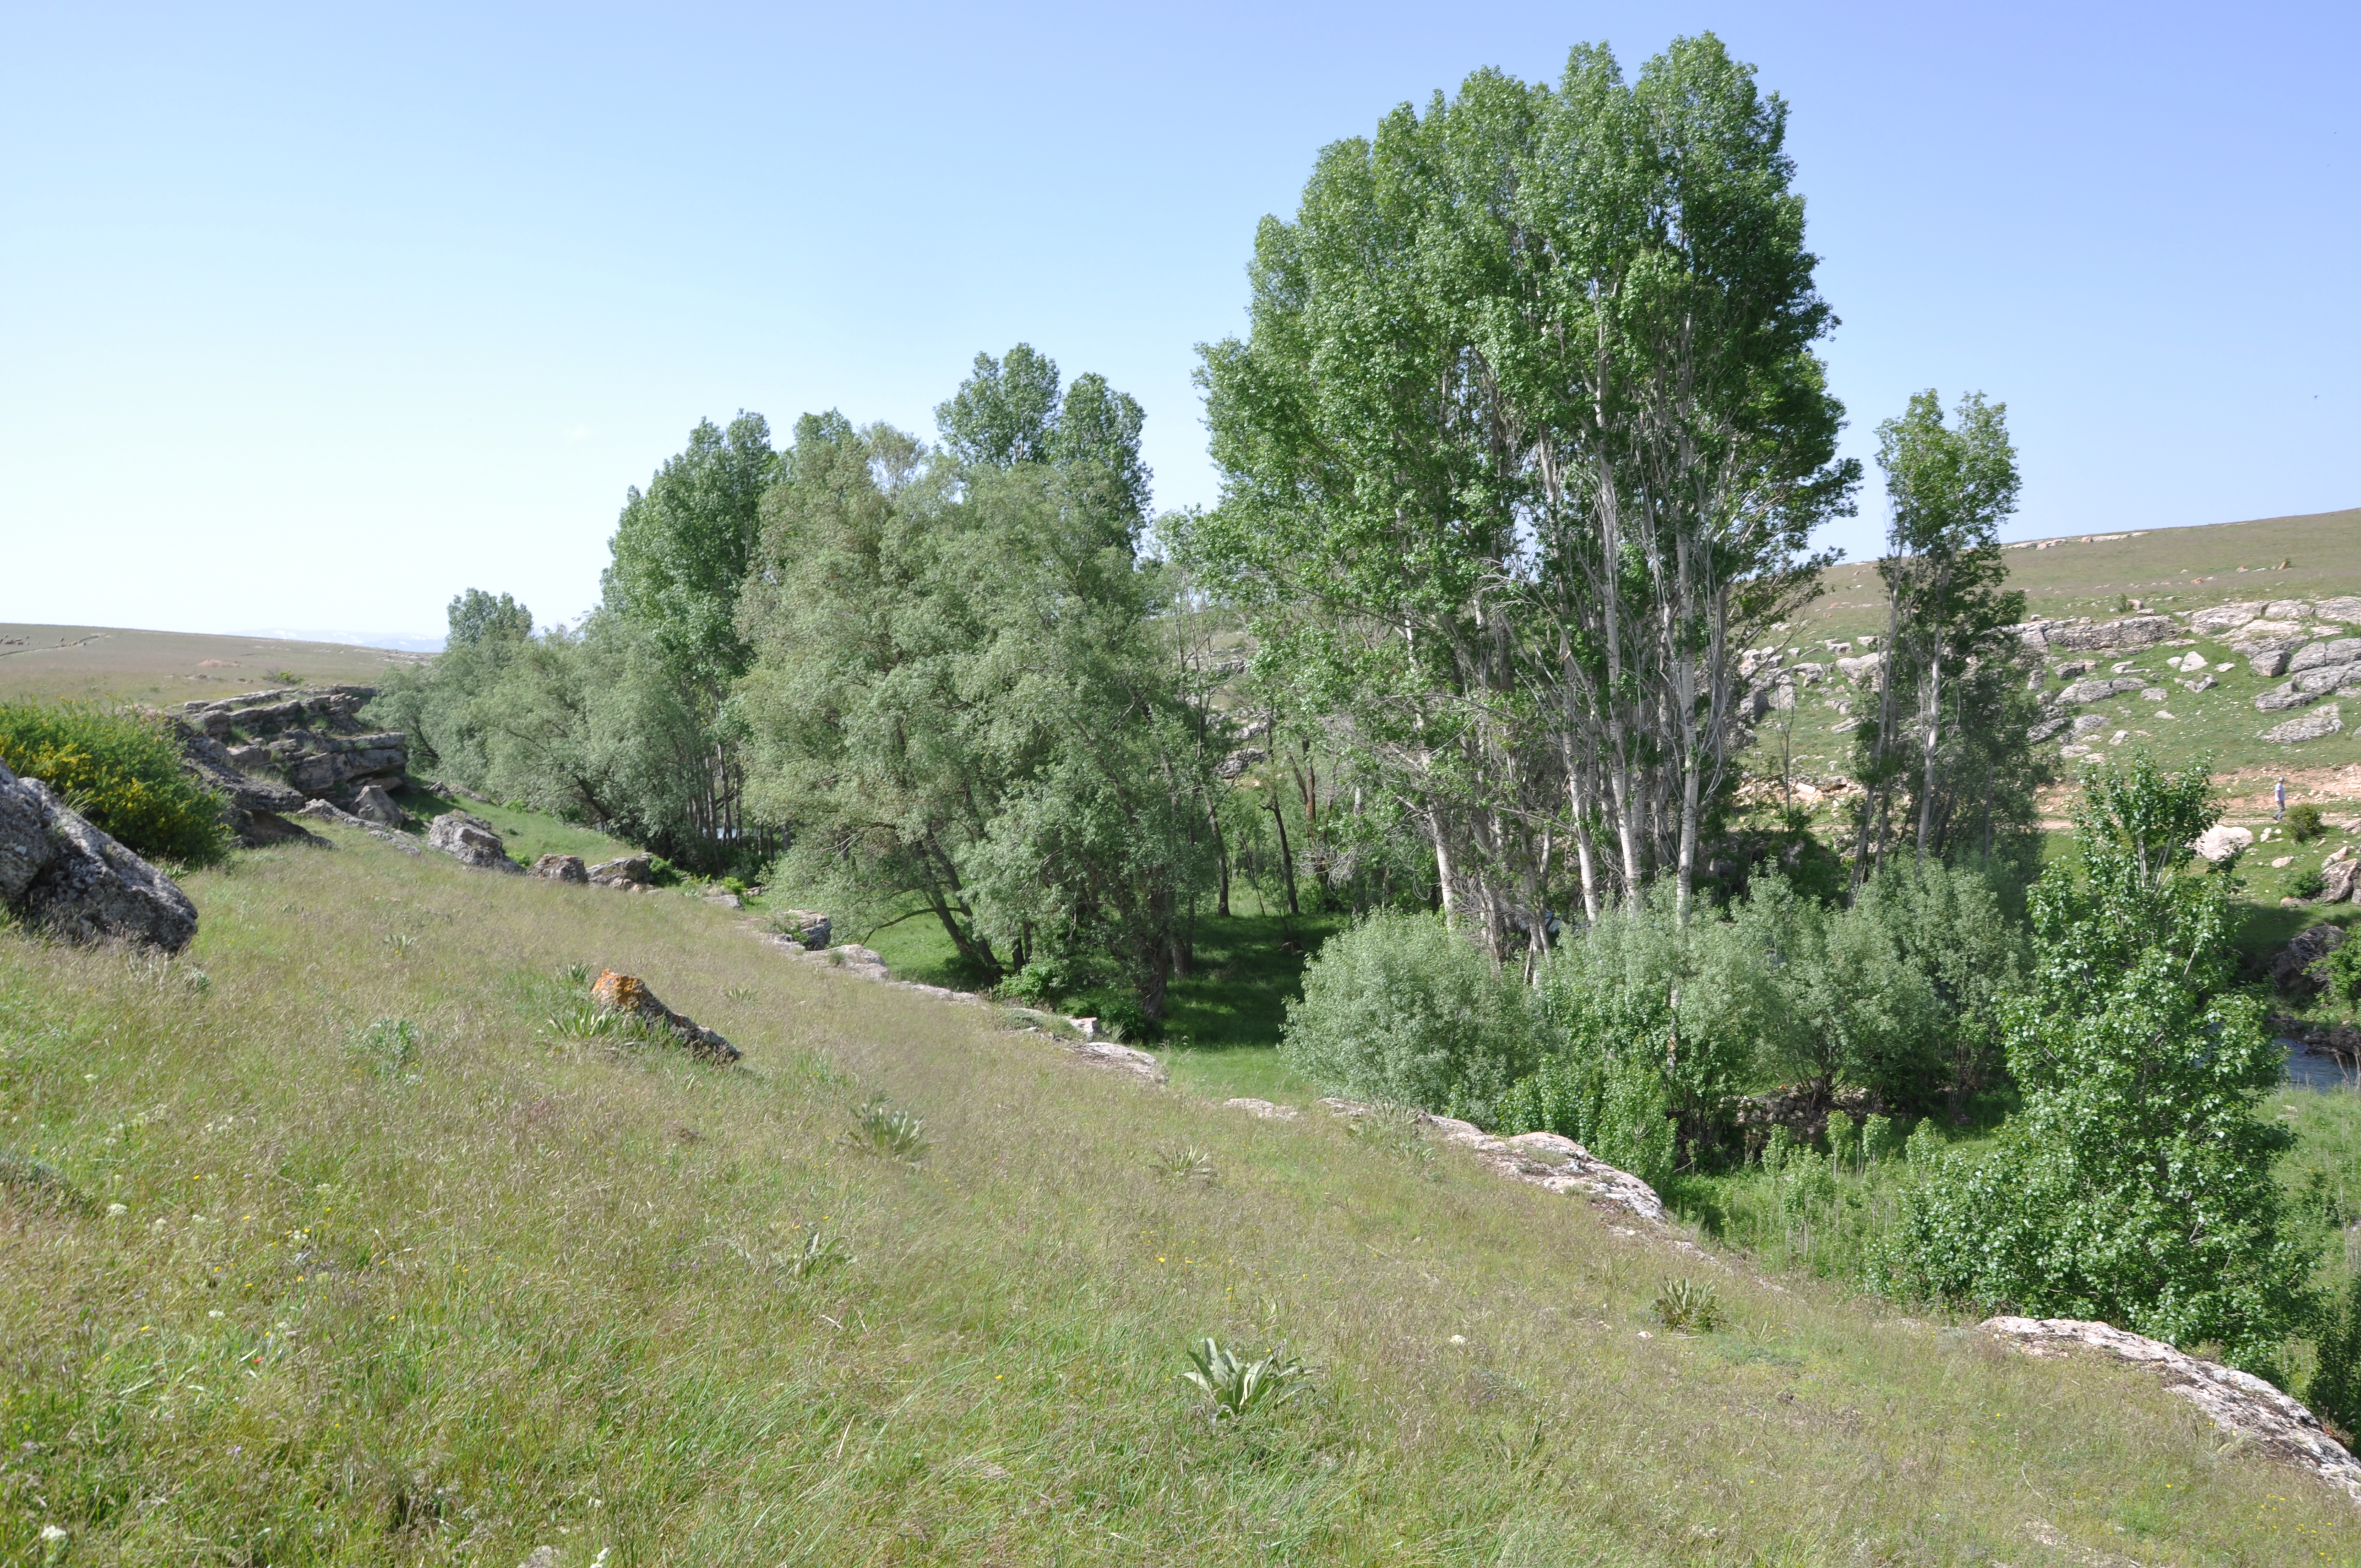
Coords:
pixel 381 1295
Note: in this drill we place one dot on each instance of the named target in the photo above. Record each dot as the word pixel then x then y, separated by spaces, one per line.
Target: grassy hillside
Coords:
pixel 403 1272
pixel 166 667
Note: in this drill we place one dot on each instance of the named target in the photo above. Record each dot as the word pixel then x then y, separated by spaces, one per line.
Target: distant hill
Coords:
pixel 103 662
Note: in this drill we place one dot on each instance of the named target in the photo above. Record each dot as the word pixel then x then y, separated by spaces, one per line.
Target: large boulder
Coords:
pixel 2294 967
pixel 629 995
pixel 625 872
pixel 65 876
pixel 2335 651
pixel 561 868
pixel 2320 722
pixel 374 805
pixel 2084 635
pixel 471 842
pixel 2221 843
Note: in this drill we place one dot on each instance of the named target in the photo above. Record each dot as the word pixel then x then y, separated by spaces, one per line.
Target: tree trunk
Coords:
pixel 1286 856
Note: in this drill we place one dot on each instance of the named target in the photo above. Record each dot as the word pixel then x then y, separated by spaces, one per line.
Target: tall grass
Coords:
pixel 459 1285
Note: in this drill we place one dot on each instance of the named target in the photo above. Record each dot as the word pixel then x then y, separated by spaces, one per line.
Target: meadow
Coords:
pixel 334 1241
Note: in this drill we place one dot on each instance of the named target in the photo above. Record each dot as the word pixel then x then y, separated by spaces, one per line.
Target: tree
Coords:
pixel 1527 432
pixel 961 698
pixel 1949 634
pixel 2135 1185
pixel 476 616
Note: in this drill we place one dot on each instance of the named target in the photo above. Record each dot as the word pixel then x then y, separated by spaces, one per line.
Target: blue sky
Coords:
pixel 313 317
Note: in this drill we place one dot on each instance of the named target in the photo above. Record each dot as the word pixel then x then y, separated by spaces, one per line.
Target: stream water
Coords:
pixel 2316 1070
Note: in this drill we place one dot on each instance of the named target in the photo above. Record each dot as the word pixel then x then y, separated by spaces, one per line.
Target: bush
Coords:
pixel 1612 1105
pixel 1401 1009
pixel 2334 1392
pixel 2342 969
pixel 120 768
pixel 2304 823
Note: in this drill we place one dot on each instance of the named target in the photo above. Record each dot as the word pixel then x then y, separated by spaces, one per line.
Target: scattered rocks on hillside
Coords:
pixel 630 996
pixel 807 928
pixel 2312 726
pixel 2221 842
pixel 2046 728
pixel 1863 671
pixel 2201 684
pixel 2335 651
pixel 1547 1160
pixel 2237 1402
pixel 470 841
pixel 562 867
pixel 61 874
pixel 2295 968
pixel 1123 1059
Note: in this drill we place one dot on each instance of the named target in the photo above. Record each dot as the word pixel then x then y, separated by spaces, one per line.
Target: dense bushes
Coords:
pixel 119 769
pixel 1400 1009
pixel 2136 1186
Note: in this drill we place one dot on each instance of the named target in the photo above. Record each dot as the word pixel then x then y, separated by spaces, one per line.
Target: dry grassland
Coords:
pixel 375 1302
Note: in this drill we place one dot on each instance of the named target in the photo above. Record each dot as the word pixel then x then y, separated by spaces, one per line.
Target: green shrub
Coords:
pixel 1400 1008
pixel 1688 1307
pixel 2342 969
pixel 1612 1105
pixel 2309 884
pixel 2334 1391
pixel 1235 1387
pixel 1120 1015
pixel 2304 823
pixel 120 768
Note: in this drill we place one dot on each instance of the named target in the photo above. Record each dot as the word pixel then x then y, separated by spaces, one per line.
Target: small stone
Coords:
pixel 2282 864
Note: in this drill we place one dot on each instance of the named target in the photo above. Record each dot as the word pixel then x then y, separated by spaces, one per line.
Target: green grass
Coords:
pixel 500 1288
pixel 528 835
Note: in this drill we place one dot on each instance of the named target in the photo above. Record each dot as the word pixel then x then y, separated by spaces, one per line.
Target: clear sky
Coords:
pixel 311 318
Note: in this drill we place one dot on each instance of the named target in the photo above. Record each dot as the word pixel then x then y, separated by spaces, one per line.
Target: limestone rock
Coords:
pixel 562 867
pixel 2237 1402
pixel 2287 609
pixel 2312 726
pixel 2187 663
pixel 2219 842
pixel 2218 619
pixel 807 928
pixel 2201 684
pixel 2042 731
pixel 2153 694
pixel 329 812
pixel 2337 879
pixel 1124 1059
pixel 1863 671
pixel 624 871
pixel 373 804
pixel 1547 1160
pixel 2082 634
pixel 2088 723
pixel 2278 699
pixel 2101 688
pixel 471 842
pixel 629 995
pixel 2336 651
pixel 1262 1109
pixel 2345 610
pixel 311 735
pixel 2291 967
pixel 2073 669
pixel 857 959
pixel 65 876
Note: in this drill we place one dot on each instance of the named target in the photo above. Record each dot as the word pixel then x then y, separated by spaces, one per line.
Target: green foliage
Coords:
pixel 1182 1162
pixel 2136 1186
pixel 121 770
pixel 1687 1307
pixel 1400 1008
pixel 877 1128
pixel 2304 823
pixel 2342 970
pixel 388 1048
pixel 821 1255
pixel 476 617
pixel 2309 884
pixel 1235 1387
pixel 1612 1104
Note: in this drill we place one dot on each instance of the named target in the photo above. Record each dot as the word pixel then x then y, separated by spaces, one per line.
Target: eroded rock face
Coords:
pixel 312 736
pixel 2292 968
pixel 2238 1403
pixel 2082 634
pixel 65 876
pixel 471 842
pixel 629 995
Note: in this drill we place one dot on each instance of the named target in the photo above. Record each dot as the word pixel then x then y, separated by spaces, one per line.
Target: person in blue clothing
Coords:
pixel 2280 793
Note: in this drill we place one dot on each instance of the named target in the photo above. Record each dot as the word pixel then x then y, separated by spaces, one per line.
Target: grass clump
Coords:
pixel 878 1128
pixel 1186 1162
pixel 121 769
pixel 1235 1387
pixel 1687 1307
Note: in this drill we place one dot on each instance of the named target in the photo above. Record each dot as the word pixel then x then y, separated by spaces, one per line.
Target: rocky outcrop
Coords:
pixel 629 996
pixel 2082 634
pixel 807 928
pixel 2215 619
pixel 2312 726
pixel 1547 1160
pixel 337 816
pixel 1801 1108
pixel 256 809
pixel 1863 671
pixel 2345 610
pixel 562 867
pixel 2335 651
pixel 2269 646
pixel 471 842
pixel 66 877
pixel 2295 967
pixel 311 737
pixel 2237 1402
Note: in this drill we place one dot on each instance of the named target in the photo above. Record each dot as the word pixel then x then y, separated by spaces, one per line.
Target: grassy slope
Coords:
pixel 519 1291
pixel 168 667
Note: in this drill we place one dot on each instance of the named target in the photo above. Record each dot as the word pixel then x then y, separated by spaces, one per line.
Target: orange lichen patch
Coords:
pixel 624 994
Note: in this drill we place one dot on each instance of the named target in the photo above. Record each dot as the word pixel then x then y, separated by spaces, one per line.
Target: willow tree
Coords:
pixel 1527 435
